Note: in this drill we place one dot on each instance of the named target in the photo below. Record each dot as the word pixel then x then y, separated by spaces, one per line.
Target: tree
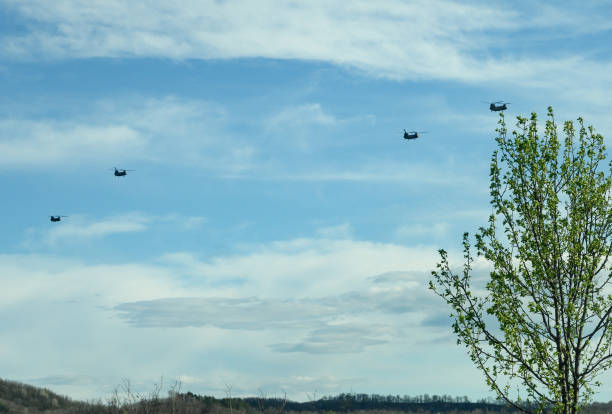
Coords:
pixel 543 320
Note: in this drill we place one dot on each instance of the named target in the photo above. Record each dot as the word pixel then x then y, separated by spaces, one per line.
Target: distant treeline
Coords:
pixel 380 404
pixel 18 398
pixel 361 402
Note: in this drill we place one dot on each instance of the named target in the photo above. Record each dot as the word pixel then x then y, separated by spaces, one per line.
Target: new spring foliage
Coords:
pixel 544 324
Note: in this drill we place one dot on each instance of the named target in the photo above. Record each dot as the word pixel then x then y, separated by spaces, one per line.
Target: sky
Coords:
pixel 277 234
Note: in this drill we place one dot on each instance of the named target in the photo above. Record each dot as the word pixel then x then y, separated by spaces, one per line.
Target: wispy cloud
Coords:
pixel 80 228
pixel 196 133
pixel 390 171
pixel 308 266
pixel 254 313
pixel 39 142
pixel 337 303
pixel 360 34
pixel 326 322
pixel 323 318
pixel 295 288
pixel 339 339
pixel 168 130
pixel 298 116
pixel 440 39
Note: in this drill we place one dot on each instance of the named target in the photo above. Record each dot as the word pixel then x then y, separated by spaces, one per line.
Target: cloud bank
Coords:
pixel 315 297
pixel 441 39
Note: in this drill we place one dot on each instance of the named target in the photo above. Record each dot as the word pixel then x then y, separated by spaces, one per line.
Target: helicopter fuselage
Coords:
pixel 411 135
pixel 121 172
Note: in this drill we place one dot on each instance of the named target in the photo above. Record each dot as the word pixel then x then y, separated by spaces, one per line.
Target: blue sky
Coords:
pixel 277 232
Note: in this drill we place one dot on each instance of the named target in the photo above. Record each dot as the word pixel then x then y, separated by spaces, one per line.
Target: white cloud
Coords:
pixel 342 305
pixel 195 133
pixel 43 142
pixel 307 266
pixel 393 171
pixel 264 313
pixel 385 36
pixel 293 126
pixel 301 126
pixel 311 296
pixel 167 130
pixel 404 40
pixel 339 339
pixel 299 116
pixel 79 228
pixel 299 288
pixel 31 277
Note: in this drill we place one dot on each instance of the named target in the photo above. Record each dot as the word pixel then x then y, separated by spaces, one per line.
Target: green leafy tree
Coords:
pixel 543 322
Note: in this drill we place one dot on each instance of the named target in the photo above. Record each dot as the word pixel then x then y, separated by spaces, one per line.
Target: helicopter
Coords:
pixel 413 134
pixel 56 218
pixel 121 172
pixel 498 106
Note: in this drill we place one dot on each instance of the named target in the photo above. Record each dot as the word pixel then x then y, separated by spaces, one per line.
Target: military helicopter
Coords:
pixel 120 172
pixel 56 218
pixel 413 134
pixel 498 106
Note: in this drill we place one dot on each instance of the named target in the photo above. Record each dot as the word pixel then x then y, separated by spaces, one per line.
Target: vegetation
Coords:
pixel 544 322
pixel 13 394
pixel 18 398
pixel 21 398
